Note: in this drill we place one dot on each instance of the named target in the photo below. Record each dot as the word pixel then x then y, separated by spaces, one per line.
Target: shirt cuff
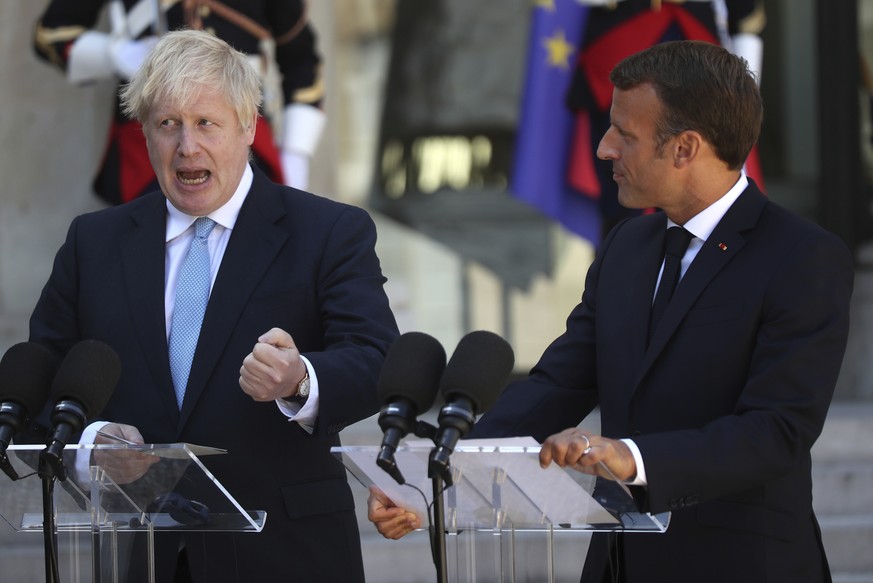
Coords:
pixel 305 413
pixel 640 479
pixel 83 456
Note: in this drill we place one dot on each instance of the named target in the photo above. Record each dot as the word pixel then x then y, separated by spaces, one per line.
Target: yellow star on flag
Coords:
pixel 558 49
pixel 547 4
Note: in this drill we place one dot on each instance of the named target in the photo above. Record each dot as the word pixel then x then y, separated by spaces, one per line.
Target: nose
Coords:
pixel 188 143
pixel 605 150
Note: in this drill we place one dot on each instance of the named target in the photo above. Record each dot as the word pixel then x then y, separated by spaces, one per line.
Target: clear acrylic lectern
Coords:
pixel 503 511
pixel 97 518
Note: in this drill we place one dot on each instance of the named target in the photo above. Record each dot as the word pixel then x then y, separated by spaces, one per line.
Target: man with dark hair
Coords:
pixel 617 29
pixel 732 128
pixel 710 335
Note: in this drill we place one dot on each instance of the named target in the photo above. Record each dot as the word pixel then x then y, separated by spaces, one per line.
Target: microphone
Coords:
pixel 473 379
pixel 407 386
pixel 81 389
pixel 26 372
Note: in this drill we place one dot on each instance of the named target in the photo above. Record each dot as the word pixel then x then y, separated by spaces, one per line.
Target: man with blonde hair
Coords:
pixel 94 40
pixel 285 350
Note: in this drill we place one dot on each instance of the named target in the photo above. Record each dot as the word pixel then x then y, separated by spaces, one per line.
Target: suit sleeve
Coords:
pixel 62 23
pixel 296 54
pixel 358 325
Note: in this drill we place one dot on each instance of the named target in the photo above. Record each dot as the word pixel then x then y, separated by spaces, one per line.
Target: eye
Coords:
pixel 166 123
pixel 625 135
pixel 205 122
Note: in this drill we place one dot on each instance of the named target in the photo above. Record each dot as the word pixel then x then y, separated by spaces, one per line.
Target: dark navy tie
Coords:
pixel 674 249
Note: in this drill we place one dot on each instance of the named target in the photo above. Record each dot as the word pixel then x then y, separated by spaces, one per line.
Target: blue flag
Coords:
pixel 546 126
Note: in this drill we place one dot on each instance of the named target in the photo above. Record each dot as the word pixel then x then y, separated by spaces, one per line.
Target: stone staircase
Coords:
pixel 843 491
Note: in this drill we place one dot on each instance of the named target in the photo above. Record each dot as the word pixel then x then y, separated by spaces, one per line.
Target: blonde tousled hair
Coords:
pixel 183 63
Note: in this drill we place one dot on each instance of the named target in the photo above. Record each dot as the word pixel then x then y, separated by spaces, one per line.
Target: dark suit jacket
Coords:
pixel 724 403
pixel 294 260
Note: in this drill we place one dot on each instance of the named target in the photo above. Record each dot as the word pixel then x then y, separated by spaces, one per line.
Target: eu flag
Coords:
pixel 546 126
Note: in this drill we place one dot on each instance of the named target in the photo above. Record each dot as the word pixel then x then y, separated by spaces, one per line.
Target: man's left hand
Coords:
pixel 390 520
pixel 273 369
pixel 584 451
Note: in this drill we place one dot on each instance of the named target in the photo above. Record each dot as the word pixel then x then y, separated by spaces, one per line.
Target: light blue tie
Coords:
pixel 192 294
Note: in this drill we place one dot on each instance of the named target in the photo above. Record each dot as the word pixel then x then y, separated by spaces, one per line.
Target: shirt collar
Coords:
pixel 225 215
pixel 703 223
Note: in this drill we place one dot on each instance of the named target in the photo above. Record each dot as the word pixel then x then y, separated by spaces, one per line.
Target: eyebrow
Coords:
pixel 620 129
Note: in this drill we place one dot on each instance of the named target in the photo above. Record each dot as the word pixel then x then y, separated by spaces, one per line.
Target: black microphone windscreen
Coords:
pixel 412 370
pixel 478 369
pixel 88 375
pixel 26 373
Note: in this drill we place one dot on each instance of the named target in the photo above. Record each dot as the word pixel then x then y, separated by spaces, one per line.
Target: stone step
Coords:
pixel 847 434
pixel 848 540
pixel 843 490
pixel 852 577
pixel 842 487
pixel 21 556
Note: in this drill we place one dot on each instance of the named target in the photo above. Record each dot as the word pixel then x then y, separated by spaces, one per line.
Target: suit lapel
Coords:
pixel 252 248
pixel 143 263
pixel 643 278
pixel 718 250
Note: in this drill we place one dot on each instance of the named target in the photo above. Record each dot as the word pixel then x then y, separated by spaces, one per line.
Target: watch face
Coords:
pixel 303 388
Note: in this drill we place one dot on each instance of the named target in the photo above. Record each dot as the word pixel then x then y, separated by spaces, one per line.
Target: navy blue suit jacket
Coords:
pixel 726 400
pixel 294 261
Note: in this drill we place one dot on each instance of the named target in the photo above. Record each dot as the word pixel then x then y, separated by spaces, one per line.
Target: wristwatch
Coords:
pixel 303 387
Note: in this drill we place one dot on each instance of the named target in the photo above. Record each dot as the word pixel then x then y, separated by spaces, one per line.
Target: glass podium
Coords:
pixel 503 511
pixel 96 518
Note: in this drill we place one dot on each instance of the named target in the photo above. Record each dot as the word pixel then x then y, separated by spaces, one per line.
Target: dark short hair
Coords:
pixel 702 87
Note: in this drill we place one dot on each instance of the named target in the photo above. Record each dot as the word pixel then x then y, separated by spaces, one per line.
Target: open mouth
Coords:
pixel 193 178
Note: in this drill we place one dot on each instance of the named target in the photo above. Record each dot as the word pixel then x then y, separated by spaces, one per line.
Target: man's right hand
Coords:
pixel 123 466
pixel 390 520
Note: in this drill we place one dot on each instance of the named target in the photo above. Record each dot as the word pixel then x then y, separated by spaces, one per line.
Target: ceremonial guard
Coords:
pixel 616 29
pixel 275 33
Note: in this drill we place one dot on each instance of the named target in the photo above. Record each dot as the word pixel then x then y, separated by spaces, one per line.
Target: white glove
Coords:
pixel 295 169
pixel 128 55
pixel 301 130
pixel 89 59
pixel 751 48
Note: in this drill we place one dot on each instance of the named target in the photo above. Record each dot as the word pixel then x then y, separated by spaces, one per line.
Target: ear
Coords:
pixel 249 129
pixel 687 147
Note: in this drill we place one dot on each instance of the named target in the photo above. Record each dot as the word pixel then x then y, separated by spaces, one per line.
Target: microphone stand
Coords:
pixel 438 536
pixel 51 468
pixel 7 468
pixel 438 533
